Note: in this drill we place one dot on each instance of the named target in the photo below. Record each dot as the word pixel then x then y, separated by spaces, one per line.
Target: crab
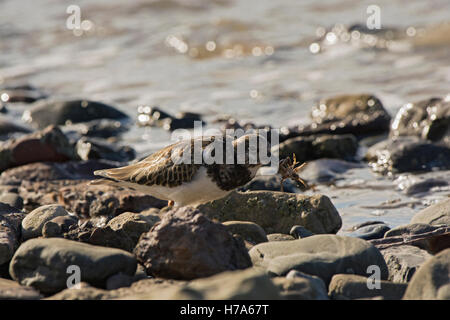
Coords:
pixel 288 169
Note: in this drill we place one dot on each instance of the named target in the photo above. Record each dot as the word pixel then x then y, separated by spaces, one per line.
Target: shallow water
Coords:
pixel 247 59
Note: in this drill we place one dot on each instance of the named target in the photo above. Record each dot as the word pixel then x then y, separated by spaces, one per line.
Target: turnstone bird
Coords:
pixel 188 172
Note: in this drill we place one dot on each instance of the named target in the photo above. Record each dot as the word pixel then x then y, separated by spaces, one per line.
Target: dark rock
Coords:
pixel 94 148
pixel 47 112
pixel 11 290
pixel 436 214
pixel 154 116
pixel 408 154
pixel 101 128
pixel 319 255
pixel 276 212
pixel 43 263
pixel 428 119
pixel 350 286
pixel 187 245
pixel 49 144
pixel 8 127
pixel 249 231
pixel 25 94
pixel 403 262
pixel 432 280
pixel 316 147
pixel 364 224
pixel 424 186
pixel 360 114
pixel 299 232
pixel 369 232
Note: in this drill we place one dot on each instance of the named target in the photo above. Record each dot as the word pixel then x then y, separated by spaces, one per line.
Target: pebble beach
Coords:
pixel 368 110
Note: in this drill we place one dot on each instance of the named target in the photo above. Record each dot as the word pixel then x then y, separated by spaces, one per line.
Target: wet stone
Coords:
pixel 428 119
pixel 48 112
pixel 369 232
pixel 299 232
pixel 316 147
pixel 359 114
pixel 95 148
pixel 408 154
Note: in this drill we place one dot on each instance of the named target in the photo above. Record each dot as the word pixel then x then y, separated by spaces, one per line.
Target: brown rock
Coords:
pixel 49 144
pixel 187 245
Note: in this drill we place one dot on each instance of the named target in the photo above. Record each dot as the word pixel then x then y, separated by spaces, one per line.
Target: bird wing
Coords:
pixel 166 167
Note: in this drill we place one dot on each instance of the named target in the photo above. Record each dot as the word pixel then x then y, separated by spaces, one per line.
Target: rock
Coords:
pixel 270 183
pixel 10 232
pixel 154 116
pixel 121 232
pixel 101 128
pixel 13 199
pixel 95 148
pixel 249 231
pixel 279 237
pixel 416 188
pixel 410 229
pixel 364 224
pixel 133 224
pixel 403 262
pixel 316 147
pixel 8 127
pixel 319 255
pixel 428 119
pixel 43 263
pixel 408 154
pixel 369 232
pixel 57 226
pixel 299 286
pixel 299 232
pixel 45 171
pixel 436 214
pixel 11 290
pixel 359 114
pixel 326 170
pixel 247 284
pixel 48 112
pixel 34 221
pixel 119 280
pixel 350 286
pixel 94 200
pixel 187 245
pixel 21 93
pixel 276 212
pixel 49 144
pixel 433 241
pixel 432 280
